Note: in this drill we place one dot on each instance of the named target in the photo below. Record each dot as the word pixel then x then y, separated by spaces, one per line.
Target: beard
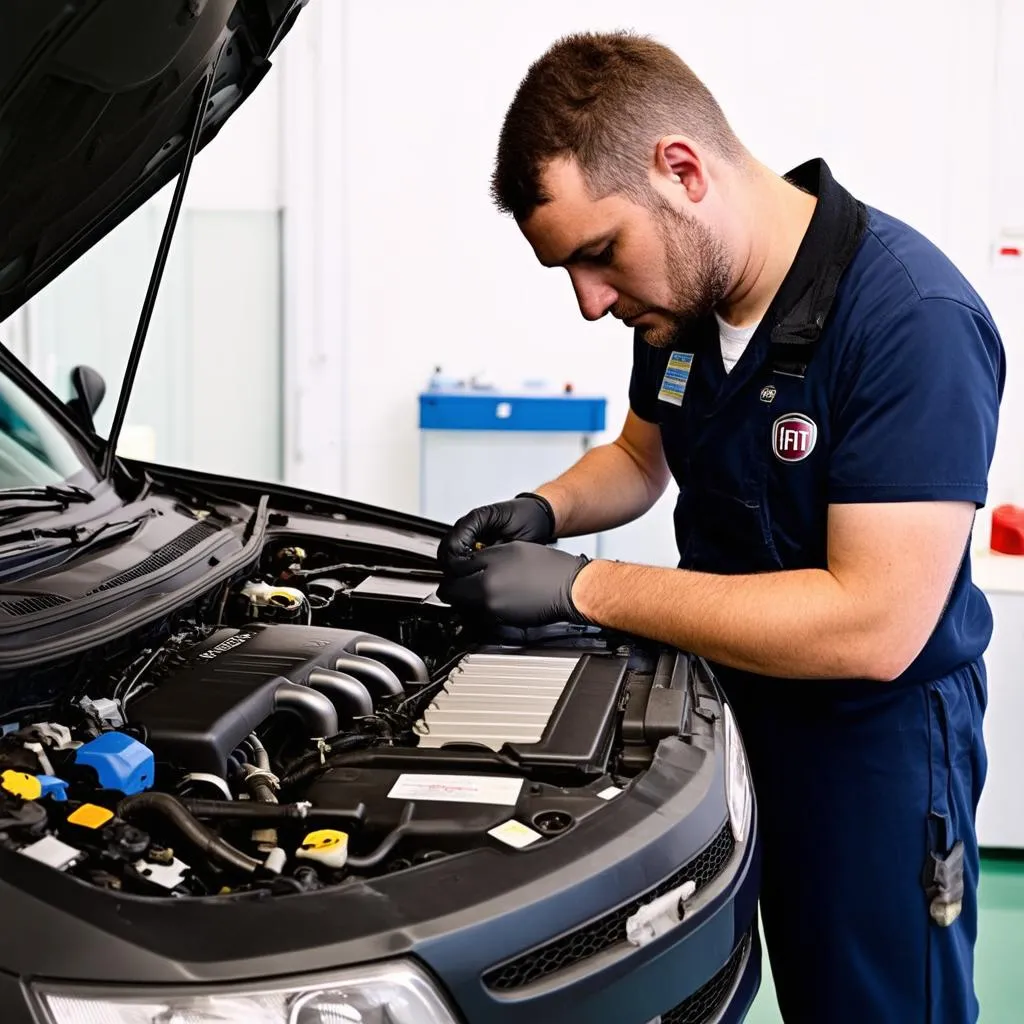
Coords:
pixel 699 274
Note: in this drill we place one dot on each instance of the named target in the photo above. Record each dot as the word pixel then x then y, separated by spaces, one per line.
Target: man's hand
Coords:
pixel 526 517
pixel 519 584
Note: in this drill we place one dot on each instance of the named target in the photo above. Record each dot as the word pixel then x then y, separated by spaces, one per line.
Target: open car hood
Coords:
pixel 97 101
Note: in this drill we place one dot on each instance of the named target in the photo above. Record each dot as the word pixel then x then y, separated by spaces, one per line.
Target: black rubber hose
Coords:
pixel 441 760
pixel 176 812
pixel 259 752
pixel 311 763
pixel 406 827
pixel 245 810
pixel 29 815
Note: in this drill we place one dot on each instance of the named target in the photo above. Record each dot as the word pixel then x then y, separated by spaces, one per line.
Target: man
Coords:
pixel 823 386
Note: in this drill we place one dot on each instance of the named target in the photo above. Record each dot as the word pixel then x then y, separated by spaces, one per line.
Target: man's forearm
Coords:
pixel 794 624
pixel 605 489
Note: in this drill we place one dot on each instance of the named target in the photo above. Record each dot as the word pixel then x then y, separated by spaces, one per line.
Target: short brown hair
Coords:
pixel 605 100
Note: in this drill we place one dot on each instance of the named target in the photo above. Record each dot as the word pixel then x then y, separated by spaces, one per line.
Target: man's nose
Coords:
pixel 595 297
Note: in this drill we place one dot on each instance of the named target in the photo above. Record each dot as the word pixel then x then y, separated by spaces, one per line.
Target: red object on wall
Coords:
pixel 1008 530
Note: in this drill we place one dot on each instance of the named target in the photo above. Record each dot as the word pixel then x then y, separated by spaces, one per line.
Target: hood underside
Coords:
pixel 97 100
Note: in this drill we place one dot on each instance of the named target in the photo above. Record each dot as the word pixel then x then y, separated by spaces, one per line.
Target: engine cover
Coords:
pixel 232 682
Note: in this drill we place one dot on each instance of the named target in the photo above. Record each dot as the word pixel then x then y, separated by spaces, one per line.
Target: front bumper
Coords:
pixel 705 971
pixel 689 976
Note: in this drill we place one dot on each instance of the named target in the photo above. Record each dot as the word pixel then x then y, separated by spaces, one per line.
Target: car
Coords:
pixel 251 767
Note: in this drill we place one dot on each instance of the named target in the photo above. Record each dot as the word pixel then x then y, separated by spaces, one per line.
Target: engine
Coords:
pixel 280 747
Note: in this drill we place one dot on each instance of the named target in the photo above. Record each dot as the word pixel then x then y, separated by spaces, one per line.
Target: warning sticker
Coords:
pixel 677 373
pixel 514 833
pixel 458 789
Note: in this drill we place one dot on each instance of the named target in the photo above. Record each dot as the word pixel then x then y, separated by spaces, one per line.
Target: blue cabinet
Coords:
pixel 484 446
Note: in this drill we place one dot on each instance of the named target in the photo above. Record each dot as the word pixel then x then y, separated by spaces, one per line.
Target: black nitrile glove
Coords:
pixel 525 517
pixel 518 584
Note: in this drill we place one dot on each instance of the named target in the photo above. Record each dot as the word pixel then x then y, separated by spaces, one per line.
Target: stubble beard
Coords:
pixel 698 271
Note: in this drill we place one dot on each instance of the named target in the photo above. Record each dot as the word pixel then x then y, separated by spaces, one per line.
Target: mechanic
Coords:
pixel 823 386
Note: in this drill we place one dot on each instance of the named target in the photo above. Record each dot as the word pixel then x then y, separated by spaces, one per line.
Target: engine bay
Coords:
pixel 318 720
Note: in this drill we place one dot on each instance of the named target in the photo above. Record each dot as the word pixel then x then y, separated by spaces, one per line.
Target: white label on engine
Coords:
pixel 514 833
pixel 610 793
pixel 458 789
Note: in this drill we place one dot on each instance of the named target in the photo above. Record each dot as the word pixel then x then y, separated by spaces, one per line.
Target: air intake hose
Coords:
pixel 173 809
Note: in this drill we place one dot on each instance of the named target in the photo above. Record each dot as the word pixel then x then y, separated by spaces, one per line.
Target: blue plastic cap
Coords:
pixel 52 786
pixel 119 761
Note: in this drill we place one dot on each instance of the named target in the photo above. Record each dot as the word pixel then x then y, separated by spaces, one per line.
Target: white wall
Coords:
pixel 898 96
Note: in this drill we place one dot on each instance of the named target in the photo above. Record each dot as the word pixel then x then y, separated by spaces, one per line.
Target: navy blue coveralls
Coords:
pixel 875 376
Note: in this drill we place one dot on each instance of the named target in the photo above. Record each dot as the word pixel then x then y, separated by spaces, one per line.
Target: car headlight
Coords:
pixel 395 993
pixel 738 792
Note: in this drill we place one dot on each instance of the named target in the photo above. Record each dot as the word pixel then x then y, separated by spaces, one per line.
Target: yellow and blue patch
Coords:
pixel 677 373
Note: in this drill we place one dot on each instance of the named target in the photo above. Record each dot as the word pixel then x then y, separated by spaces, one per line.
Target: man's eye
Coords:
pixel 604 257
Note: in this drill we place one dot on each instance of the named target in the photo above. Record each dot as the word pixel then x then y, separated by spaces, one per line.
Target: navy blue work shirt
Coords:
pixel 898 402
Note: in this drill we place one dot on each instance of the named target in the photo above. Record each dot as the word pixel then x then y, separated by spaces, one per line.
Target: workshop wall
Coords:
pixel 898 95
pixel 208 393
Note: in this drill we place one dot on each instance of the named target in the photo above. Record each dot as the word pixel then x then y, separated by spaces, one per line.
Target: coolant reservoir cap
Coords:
pixel 326 846
pixel 19 784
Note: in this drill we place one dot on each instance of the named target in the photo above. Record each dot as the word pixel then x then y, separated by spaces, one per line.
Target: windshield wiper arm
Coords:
pixel 26 501
pixel 56 494
pixel 32 544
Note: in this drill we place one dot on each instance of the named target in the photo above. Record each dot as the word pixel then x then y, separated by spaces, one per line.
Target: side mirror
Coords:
pixel 89 388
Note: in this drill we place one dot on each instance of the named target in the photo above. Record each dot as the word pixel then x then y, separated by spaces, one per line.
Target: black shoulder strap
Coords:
pixel 794 338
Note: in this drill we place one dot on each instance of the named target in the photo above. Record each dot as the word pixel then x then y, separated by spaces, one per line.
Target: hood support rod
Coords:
pixel 157 276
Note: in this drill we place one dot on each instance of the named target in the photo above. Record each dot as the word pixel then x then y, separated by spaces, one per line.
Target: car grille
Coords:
pixel 606 931
pixel 705 1003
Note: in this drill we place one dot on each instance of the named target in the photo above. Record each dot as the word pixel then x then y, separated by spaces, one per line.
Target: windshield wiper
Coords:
pixel 25 546
pixel 63 494
pixel 26 501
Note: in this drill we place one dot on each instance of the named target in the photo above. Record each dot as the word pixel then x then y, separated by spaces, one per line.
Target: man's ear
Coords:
pixel 678 164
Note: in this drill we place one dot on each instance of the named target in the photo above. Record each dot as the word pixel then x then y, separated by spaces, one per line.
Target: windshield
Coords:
pixel 33 450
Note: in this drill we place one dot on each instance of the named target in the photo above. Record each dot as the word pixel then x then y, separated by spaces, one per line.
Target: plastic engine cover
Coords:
pixel 200 712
